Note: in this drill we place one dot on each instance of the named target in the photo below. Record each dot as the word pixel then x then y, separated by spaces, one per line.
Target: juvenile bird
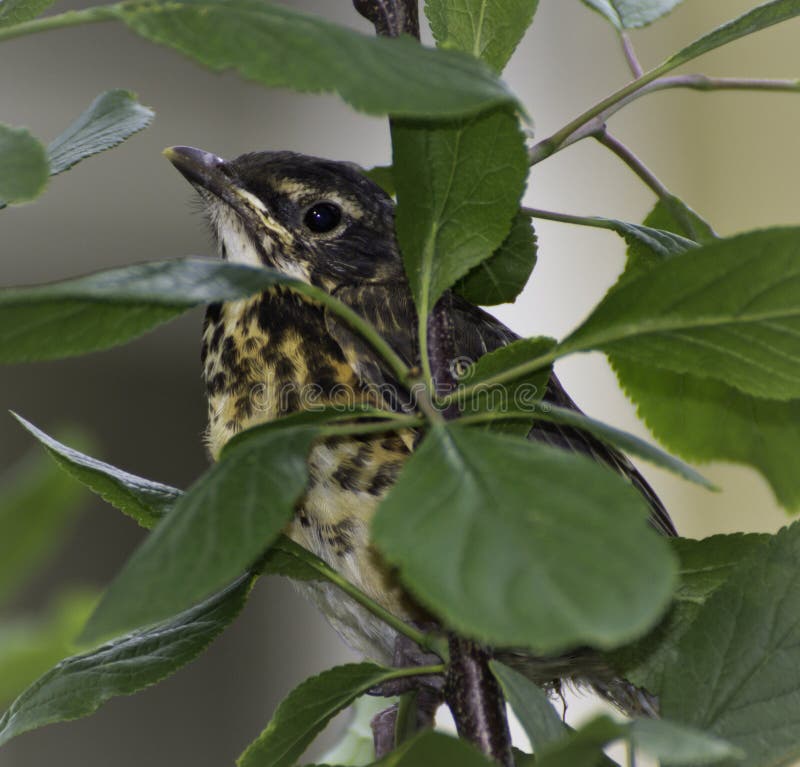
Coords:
pixel 327 224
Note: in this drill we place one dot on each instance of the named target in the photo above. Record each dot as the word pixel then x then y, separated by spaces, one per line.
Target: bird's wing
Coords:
pixel 391 309
pixel 477 332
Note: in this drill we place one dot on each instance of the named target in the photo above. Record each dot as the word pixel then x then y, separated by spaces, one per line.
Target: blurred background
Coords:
pixel 733 157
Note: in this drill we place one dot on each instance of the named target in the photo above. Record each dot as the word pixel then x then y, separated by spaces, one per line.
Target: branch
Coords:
pixel 391 18
pixel 476 701
pixel 675 206
pixel 634 163
pixel 593 120
pixel 705 83
pixel 471 691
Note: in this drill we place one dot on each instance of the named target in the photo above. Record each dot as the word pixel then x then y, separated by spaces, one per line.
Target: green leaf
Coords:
pixel 29 646
pixel 678 744
pixel 628 14
pixel 705 420
pixel 458 189
pixel 661 244
pixel 78 686
pixel 533 708
pixel 104 309
pixel 218 528
pixel 287 558
pixel 277 46
pixel 737 672
pixel 142 499
pixel 508 542
pixel 624 440
pixel 383 176
pixel 654 242
pixel 760 17
pixel 523 394
pixel 662 217
pixel 433 749
pixel 488 29
pixel 583 747
pixel 17 11
pixel 704 566
pixel 502 277
pixel 729 311
pixel 37 503
pixel 24 169
pixel 111 118
pixel 303 714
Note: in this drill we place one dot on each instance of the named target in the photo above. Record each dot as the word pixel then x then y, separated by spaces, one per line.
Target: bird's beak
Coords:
pixel 209 173
pixel 201 169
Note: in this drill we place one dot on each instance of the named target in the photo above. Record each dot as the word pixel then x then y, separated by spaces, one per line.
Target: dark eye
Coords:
pixel 323 217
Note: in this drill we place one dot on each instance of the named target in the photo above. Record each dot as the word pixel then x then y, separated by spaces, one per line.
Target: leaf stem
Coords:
pixel 630 54
pixel 510 374
pixel 429 642
pixel 61 20
pixel 390 424
pixel 399 673
pixel 630 751
pixel 674 205
pixel 596 222
pixel 633 162
pixel 505 415
pixel 367 330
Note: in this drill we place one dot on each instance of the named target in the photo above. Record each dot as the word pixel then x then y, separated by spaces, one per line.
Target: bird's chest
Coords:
pixel 269 356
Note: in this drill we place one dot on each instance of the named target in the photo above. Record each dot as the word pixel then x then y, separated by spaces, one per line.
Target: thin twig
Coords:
pixel 630 55
pixel 594 119
pixel 675 206
pixel 596 222
pixel 706 83
pixel 633 162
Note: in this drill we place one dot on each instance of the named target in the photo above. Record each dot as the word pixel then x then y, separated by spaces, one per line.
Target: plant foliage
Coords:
pixel 504 541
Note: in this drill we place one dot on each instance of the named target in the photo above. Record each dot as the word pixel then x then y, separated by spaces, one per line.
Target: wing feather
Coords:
pixel 390 308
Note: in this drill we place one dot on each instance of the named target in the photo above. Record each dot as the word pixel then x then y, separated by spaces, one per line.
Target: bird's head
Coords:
pixel 320 221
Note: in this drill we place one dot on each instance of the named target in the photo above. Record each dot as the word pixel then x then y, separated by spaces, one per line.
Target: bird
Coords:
pixel 324 222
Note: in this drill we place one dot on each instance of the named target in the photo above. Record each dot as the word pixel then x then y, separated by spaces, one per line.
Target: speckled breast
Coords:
pixel 269 356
